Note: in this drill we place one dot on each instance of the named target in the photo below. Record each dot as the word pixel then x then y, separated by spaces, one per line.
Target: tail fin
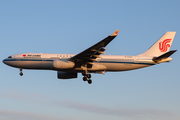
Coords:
pixel 161 46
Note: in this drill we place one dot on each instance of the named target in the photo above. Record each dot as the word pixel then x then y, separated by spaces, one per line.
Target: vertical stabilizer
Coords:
pixel 161 46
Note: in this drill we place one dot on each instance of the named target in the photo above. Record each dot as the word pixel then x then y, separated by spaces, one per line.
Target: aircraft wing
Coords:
pixel 89 55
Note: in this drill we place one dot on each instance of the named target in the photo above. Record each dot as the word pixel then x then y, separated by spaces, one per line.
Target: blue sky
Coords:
pixel 44 26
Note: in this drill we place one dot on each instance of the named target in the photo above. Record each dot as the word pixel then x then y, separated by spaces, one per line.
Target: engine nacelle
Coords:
pixel 66 75
pixel 63 64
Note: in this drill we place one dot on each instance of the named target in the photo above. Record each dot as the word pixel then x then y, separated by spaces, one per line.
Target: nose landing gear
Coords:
pixel 21 73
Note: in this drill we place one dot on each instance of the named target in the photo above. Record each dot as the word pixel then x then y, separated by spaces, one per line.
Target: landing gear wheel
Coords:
pixel 89 81
pixel 21 74
pixel 88 75
pixel 84 73
pixel 85 78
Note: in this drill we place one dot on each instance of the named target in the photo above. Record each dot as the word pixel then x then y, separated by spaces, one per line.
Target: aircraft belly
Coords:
pixel 122 66
pixel 40 65
pixel 32 64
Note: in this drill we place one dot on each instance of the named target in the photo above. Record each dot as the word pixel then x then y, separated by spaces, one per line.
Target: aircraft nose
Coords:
pixel 4 61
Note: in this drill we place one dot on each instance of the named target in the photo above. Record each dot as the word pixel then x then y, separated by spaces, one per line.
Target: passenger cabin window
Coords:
pixel 10 57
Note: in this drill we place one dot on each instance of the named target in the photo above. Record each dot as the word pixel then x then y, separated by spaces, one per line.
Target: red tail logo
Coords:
pixel 163 46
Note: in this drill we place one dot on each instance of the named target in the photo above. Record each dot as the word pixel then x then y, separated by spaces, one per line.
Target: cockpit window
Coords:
pixel 10 57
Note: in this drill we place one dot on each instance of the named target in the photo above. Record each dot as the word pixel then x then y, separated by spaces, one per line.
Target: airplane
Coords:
pixel 91 60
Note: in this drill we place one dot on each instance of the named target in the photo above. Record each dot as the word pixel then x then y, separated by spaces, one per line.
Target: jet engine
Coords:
pixel 59 64
pixel 66 75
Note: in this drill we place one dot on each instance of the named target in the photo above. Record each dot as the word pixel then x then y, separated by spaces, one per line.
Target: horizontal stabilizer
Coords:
pixel 164 56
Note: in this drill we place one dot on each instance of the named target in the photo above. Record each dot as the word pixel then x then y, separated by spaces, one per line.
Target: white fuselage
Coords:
pixel 110 62
pixel 91 60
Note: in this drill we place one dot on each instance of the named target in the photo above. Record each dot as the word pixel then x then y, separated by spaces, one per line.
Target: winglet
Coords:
pixel 115 33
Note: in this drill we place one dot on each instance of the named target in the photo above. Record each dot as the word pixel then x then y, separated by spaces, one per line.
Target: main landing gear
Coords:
pixel 21 73
pixel 87 77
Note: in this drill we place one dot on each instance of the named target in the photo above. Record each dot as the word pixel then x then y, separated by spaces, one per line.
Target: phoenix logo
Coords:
pixel 163 46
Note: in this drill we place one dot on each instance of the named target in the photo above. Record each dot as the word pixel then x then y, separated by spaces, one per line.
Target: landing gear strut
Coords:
pixel 87 77
pixel 21 73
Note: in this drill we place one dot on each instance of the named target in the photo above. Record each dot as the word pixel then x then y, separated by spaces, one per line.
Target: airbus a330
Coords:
pixel 91 60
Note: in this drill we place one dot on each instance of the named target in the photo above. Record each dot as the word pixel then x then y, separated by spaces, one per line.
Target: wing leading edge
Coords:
pixel 89 55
